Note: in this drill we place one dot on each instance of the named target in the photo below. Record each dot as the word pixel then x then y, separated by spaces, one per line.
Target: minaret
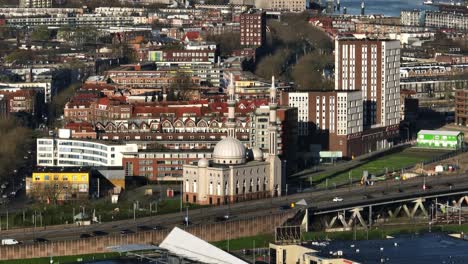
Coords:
pixel 276 169
pixel 362 8
pixel 231 123
pixel 272 126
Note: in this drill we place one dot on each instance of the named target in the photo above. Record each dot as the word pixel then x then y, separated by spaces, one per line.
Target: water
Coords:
pixel 427 248
pixel 383 7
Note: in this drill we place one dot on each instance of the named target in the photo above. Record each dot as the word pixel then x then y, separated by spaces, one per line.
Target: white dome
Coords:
pixel 229 151
pixel 257 153
pixel 203 163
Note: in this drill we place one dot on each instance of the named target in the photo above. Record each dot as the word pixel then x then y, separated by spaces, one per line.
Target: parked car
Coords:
pixel 144 228
pixel 100 233
pixel 337 199
pixel 40 240
pixel 9 242
pixel 84 235
pixel 222 218
pixel 126 231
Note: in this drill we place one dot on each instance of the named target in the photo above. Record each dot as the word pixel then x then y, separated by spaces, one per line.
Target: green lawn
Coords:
pixel 261 241
pixel 104 209
pixel 391 162
pixel 63 259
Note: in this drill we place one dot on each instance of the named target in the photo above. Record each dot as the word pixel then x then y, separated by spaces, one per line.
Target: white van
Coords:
pixel 9 242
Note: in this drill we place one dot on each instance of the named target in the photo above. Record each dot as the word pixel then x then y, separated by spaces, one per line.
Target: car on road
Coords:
pixel 337 199
pixel 40 240
pixel 9 242
pixel 222 218
pixel 148 228
pixel 100 233
pixel 144 228
pixel 84 235
pixel 126 231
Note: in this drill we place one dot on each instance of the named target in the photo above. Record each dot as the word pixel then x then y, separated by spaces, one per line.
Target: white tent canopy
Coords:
pixel 302 202
pixel 189 246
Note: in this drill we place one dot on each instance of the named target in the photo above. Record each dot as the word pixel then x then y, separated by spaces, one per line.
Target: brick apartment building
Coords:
pixel 461 107
pixel 22 101
pixel 252 29
pixel 161 165
pixel 362 114
pixel 183 55
pixel 92 107
pixel 373 67
pixel 331 119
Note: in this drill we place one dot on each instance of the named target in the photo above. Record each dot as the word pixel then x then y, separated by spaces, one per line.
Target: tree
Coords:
pixel 41 33
pixel 78 35
pixel 21 57
pixel 273 64
pixel 15 141
pixel 51 191
pixel 181 87
pixel 307 73
pixel 228 42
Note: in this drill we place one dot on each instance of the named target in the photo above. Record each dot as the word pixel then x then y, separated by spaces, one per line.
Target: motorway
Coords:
pixel 322 199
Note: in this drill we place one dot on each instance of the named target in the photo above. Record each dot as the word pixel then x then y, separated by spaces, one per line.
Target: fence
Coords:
pixel 209 232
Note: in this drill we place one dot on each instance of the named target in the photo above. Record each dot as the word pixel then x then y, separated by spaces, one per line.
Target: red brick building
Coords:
pixel 81 130
pixel 22 101
pixel 161 165
pixel 252 29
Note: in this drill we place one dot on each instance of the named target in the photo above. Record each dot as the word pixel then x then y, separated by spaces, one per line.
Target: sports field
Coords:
pixel 390 162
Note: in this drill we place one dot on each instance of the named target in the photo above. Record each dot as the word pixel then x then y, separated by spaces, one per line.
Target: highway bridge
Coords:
pixel 439 194
pixel 319 202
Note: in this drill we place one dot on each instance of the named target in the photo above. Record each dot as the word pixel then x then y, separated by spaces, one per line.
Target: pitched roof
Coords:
pixel 185 244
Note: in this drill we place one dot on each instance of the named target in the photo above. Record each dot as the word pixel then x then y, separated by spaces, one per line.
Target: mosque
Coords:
pixel 235 173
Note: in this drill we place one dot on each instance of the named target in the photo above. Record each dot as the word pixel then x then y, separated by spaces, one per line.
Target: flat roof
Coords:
pixel 62 169
pixel 440 132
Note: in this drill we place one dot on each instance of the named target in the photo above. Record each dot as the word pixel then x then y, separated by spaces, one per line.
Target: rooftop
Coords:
pixel 440 132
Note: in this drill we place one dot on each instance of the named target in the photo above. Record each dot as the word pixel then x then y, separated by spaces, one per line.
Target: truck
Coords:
pixel 9 242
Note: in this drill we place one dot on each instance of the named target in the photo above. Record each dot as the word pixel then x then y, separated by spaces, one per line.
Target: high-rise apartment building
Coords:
pixel 331 119
pixel 280 5
pixel 372 67
pixel 252 28
pixel 35 3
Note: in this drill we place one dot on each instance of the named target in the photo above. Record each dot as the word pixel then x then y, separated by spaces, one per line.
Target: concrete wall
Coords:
pixel 210 232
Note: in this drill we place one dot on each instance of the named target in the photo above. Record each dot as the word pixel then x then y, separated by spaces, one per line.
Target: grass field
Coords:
pixel 391 162
pixel 104 209
pixel 261 241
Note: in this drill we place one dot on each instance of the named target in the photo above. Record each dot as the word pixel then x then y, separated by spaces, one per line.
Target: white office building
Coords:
pixel 60 152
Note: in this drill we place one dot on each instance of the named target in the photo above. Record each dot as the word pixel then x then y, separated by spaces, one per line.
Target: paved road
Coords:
pixel 248 209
